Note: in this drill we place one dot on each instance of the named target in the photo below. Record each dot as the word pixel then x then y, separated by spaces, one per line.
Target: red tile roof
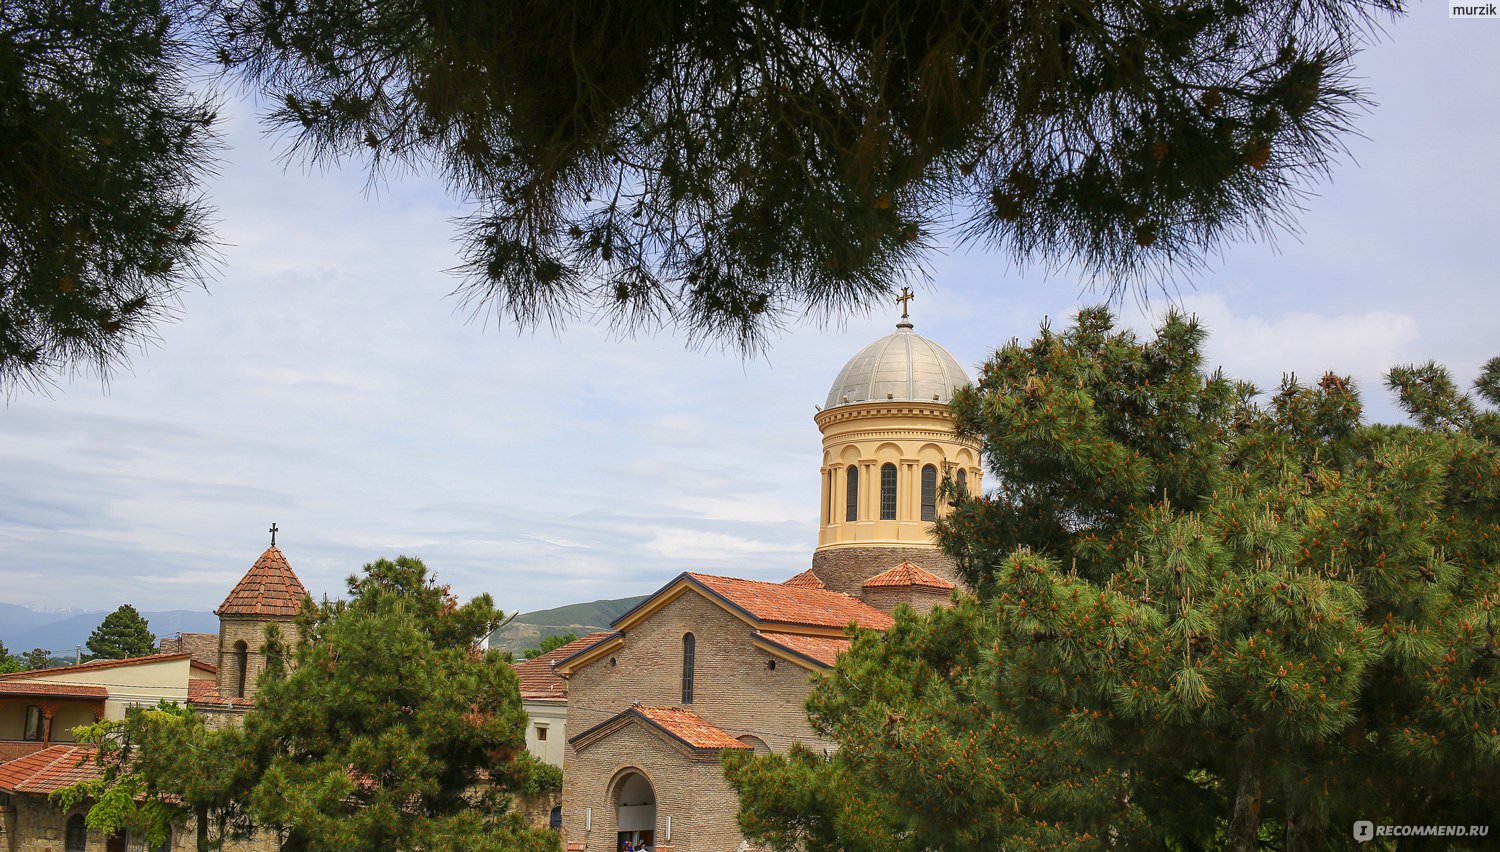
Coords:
pixel 688 726
pixel 64 690
pixel 822 650
pixel 207 692
pixel 94 665
pixel 268 588
pixel 907 574
pixel 776 604
pixel 806 580
pixel 49 770
pixel 539 682
pixel 11 750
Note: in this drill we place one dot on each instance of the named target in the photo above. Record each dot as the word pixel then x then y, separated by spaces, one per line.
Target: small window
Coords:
pixel 830 496
pixel 689 654
pixel 929 493
pixel 963 482
pixel 77 837
pixel 851 494
pixel 888 492
pixel 554 820
pixel 541 733
pixel 241 662
pixel 34 725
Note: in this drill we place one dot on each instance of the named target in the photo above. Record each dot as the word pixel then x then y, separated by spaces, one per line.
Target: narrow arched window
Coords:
pixel 929 493
pixel 829 495
pixel 689 659
pixel 963 482
pixel 888 492
pixel 851 494
pixel 241 663
pixel 77 837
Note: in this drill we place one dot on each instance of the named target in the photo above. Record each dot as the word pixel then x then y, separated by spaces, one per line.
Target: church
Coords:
pixel 709 663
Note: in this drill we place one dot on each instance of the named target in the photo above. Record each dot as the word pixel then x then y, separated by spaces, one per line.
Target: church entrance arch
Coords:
pixel 635 811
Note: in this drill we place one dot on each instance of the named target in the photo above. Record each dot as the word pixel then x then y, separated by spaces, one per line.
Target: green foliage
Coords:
pixel 123 633
pixel 1229 617
pixel 100 222
pixel 8 663
pixel 548 644
pixel 729 166
pixel 537 777
pixel 38 658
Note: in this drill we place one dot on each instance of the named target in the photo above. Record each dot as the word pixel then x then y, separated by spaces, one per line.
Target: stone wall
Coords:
pixel 203 646
pixel 844 569
pixel 35 825
pixel 920 598
pixel 251 631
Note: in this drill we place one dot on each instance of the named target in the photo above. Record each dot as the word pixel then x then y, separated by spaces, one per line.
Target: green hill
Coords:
pixel 527 629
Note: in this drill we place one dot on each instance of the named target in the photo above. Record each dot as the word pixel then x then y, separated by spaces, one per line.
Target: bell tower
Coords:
pixel 269 593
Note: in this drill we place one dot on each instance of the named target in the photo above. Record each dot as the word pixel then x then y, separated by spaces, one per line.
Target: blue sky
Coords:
pixel 330 384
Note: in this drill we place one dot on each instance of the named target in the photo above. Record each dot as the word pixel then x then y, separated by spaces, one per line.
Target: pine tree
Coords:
pixel 123 633
pixel 1260 616
pixel 36 658
pixel 384 729
pixel 7 662
pixel 101 223
pixel 720 167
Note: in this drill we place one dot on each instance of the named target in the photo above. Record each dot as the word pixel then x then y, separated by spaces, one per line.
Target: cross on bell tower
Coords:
pixel 273 533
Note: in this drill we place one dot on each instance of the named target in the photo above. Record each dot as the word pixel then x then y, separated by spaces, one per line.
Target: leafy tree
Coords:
pixel 123 633
pixel 721 167
pixel 157 766
pixel 1250 618
pixel 38 658
pixel 7 662
pixel 100 222
pixel 548 645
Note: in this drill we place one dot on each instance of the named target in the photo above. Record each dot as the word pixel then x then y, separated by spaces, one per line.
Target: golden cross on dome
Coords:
pixel 906 296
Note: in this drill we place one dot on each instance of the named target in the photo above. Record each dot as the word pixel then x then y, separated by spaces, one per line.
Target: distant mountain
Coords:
pixel 22 628
pixel 529 628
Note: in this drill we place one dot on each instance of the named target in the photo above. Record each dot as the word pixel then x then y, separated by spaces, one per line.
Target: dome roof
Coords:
pixel 904 367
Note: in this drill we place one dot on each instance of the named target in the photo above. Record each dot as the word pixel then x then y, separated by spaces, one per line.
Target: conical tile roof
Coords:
pixel 268 588
pixel 907 574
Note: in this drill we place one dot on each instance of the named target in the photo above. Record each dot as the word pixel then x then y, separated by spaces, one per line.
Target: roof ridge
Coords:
pixel 96 664
pixel 270 587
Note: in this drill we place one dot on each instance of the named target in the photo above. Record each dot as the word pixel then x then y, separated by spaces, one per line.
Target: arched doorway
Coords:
pixel 635 812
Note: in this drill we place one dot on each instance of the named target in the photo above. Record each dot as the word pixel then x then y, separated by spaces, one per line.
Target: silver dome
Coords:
pixel 904 367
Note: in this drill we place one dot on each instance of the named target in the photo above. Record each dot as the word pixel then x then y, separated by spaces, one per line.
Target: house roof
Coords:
pixel 776 604
pixel 95 665
pixel 820 651
pixel 907 574
pixel 677 723
pixel 207 692
pixel 806 580
pixel 49 770
pixel 539 681
pixel 269 588
pixel 60 690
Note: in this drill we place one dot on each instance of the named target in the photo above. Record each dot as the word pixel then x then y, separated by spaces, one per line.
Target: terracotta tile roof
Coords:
pixel 268 588
pixel 822 650
pixel 11 750
pixel 774 603
pixel 806 580
pixel 94 665
pixel 203 646
pixel 65 690
pixel 539 682
pixel 907 574
pixel 207 692
pixel 49 770
pixel 688 726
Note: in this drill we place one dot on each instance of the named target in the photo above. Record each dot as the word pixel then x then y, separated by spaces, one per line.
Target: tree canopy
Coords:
pixel 721 168
pixel 123 633
pixel 547 645
pixel 384 728
pixel 1204 617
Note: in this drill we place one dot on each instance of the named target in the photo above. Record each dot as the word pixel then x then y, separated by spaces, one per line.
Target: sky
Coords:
pixel 327 381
